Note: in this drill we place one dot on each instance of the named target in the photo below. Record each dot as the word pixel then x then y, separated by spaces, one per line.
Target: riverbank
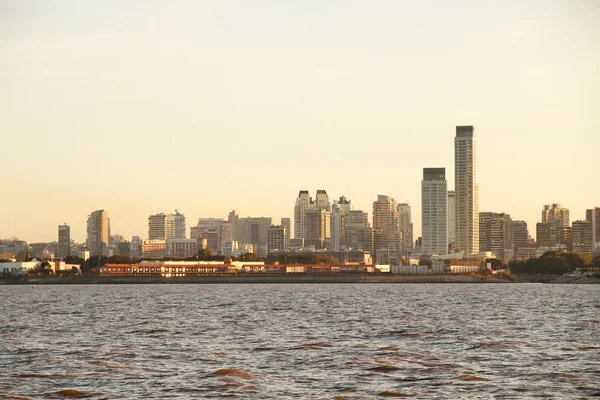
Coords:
pixel 299 278
pixel 288 278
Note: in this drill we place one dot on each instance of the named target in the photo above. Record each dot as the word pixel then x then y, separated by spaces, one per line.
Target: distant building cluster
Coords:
pixel 451 225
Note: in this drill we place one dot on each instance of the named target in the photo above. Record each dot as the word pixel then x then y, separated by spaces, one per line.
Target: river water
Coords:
pixel 304 341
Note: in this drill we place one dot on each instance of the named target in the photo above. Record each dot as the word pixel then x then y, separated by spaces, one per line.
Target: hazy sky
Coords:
pixel 140 107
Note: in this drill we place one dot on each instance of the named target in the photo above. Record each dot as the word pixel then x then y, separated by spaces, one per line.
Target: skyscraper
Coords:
pixel 451 219
pixel 593 215
pixel 98 232
pixel 302 205
pixel 555 211
pixel 179 225
pixel 322 201
pixel 318 228
pixel 494 233
pixel 64 241
pixel 583 241
pixel 467 206
pixel 233 219
pixel 287 222
pixel 358 234
pixel 339 209
pixel 434 211
pixel 405 226
pixel 385 224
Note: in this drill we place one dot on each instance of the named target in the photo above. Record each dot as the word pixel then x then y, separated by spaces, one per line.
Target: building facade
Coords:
pixel 276 238
pixel 593 215
pixel 182 248
pixel 405 226
pixel 451 220
pixel 318 228
pixel 64 241
pixel 385 224
pixel 98 232
pixel 303 203
pixel 583 238
pixel 466 190
pixel 434 211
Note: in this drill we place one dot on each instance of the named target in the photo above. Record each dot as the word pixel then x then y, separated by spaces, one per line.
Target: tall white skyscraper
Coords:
pixel 405 226
pixel 467 205
pixel 434 211
pixel 451 219
pixel 302 205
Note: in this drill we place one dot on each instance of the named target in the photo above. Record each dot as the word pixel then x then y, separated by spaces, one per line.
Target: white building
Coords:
pixel 302 205
pixel 467 203
pixel 434 211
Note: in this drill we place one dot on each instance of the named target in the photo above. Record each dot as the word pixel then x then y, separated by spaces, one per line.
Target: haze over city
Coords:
pixel 146 107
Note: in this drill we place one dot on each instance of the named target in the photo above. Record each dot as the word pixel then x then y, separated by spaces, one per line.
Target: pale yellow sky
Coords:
pixel 208 106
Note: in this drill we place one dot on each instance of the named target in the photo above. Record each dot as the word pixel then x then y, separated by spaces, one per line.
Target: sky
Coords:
pixel 141 107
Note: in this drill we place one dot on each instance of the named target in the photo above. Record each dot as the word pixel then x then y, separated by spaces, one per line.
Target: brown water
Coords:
pixel 336 341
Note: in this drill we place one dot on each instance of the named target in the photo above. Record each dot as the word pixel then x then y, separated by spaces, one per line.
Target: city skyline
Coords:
pixel 260 97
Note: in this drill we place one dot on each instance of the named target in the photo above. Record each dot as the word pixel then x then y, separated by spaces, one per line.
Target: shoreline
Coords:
pixel 287 279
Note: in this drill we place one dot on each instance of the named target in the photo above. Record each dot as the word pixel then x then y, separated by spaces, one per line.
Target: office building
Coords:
pixel 98 232
pixel 466 191
pixel 555 212
pixel 154 249
pixel 318 229
pixel 385 224
pixel 276 238
pixel 451 220
pixel 233 218
pixel 358 235
pixel 583 239
pixel 493 233
pixel 434 211
pixel 64 241
pixel 593 215
pixel 405 226
pixel 182 248
pixel 287 222
pixel 322 201
pixel 303 203
pixel 253 230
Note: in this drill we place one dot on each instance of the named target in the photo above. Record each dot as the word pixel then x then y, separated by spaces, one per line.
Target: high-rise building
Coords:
pixel 583 239
pixel 522 248
pixel 303 203
pixel 287 222
pixel 233 219
pixel 98 232
pixel 225 237
pixel 64 241
pixel 339 209
pixel 276 237
pixel 385 224
pixel 434 211
pixel 253 230
pixel 337 226
pixel 551 233
pixel 358 235
pixel 179 225
pixel 166 226
pixel 136 247
pixel 493 229
pixel 593 215
pixel 451 219
pixel 467 192
pixel 318 228
pixel 322 201
pixel 405 226
pixel 555 211
pixel 182 248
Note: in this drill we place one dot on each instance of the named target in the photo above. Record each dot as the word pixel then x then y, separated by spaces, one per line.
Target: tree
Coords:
pixel 74 260
pixel 577 260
